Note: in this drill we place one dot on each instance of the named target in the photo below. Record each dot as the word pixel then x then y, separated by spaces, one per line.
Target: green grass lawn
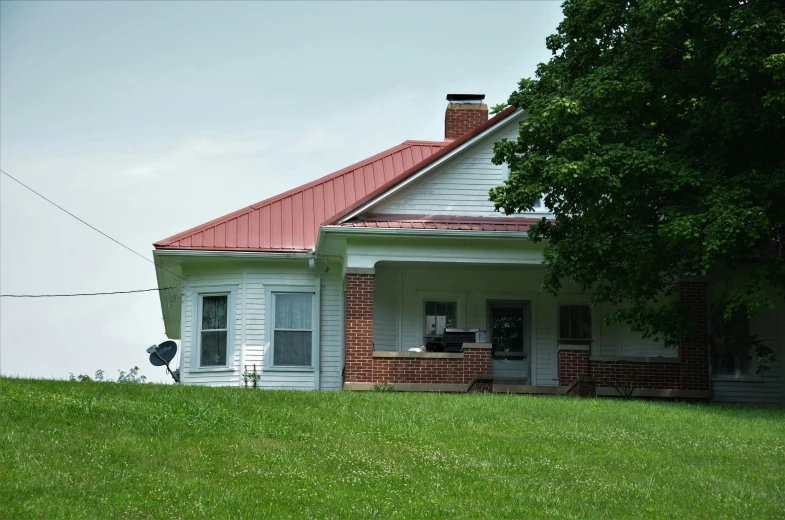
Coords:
pixel 106 450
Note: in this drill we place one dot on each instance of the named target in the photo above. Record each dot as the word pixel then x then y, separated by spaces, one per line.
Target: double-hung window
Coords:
pixel 439 315
pixel 574 325
pixel 293 330
pixel 214 334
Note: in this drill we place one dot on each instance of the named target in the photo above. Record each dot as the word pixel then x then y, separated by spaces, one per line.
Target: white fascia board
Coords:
pixel 256 255
pixel 452 233
pixel 365 207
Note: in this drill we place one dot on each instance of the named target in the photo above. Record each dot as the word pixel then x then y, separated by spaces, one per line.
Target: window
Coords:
pixel 292 341
pixel 213 330
pixel 574 325
pixel 439 316
pixel 731 352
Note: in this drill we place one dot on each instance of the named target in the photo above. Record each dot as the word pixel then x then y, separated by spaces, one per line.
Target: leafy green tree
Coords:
pixel 656 133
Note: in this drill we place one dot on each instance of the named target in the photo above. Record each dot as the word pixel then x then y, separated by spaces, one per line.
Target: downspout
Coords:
pixel 317 368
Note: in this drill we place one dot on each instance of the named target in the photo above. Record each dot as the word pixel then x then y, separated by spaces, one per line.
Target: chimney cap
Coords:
pixel 466 98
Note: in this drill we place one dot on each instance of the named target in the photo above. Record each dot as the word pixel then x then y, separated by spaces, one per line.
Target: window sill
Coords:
pixel 417 355
pixel 289 369
pixel 636 359
pixel 211 369
pixel 740 379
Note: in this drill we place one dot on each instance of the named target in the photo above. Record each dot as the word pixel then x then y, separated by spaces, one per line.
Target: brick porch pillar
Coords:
pixel 694 356
pixel 358 331
pixel 573 363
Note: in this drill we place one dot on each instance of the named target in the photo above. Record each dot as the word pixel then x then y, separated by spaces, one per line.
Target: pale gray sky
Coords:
pixel 144 118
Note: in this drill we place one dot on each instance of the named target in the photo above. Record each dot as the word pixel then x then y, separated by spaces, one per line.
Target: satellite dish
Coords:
pixel 161 355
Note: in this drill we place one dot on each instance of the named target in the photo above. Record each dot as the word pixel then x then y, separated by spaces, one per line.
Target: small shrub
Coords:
pixel 627 388
pixel 384 386
pixel 251 376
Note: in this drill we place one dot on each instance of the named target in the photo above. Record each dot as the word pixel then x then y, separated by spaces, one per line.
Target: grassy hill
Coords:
pixel 107 450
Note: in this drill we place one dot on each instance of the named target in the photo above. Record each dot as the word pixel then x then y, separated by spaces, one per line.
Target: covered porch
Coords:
pixel 525 341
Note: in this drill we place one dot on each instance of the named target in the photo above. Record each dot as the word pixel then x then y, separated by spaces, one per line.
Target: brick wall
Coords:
pixel 694 356
pixel 432 371
pixel 461 118
pixel 647 374
pixel 362 367
pixel 572 364
pixel 358 340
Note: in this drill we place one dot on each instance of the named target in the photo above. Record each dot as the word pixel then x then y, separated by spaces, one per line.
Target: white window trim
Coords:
pixel 269 326
pixel 196 351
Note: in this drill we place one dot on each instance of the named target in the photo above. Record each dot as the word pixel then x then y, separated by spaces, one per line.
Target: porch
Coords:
pixel 526 341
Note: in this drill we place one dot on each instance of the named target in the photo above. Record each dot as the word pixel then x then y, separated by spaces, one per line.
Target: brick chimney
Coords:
pixel 465 112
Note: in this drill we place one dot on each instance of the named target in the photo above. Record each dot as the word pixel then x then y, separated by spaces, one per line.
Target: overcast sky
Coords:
pixel 147 118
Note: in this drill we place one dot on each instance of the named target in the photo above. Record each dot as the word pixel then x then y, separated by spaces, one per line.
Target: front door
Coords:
pixel 509 328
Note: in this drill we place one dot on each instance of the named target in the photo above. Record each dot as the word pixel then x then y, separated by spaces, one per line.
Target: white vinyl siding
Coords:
pixel 250 341
pixel 385 308
pixel 459 187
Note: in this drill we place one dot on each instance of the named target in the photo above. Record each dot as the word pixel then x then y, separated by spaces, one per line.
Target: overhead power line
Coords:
pixel 81 294
pixel 88 224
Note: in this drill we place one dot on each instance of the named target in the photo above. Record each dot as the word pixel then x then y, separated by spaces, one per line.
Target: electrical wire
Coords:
pixel 89 225
pixel 81 294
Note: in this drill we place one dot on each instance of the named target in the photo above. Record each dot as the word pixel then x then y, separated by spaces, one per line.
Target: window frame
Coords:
pixel 594 329
pixel 196 351
pixel 270 299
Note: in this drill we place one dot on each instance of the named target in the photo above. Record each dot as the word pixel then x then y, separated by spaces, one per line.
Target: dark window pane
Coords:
pixel 585 322
pixel 214 348
pixel 507 333
pixel 292 348
pixel 564 321
pixel 452 314
pixel 214 312
pixel 575 321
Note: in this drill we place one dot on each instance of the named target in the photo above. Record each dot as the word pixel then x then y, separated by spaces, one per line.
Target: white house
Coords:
pixel 331 285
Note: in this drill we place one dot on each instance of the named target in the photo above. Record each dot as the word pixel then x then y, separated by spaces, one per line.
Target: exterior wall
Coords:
pixel 459 187
pixel 250 340
pixel 386 298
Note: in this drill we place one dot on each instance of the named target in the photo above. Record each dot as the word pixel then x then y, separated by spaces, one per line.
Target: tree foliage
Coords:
pixel 657 134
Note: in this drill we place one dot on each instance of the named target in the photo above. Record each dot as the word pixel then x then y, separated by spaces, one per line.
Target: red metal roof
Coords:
pixel 443 222
pixel 290 221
